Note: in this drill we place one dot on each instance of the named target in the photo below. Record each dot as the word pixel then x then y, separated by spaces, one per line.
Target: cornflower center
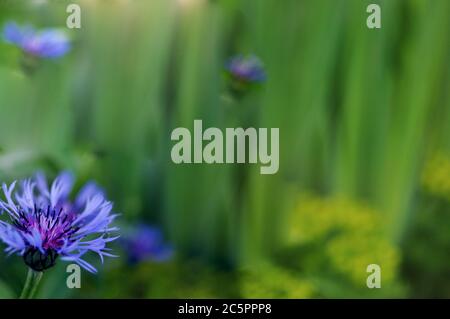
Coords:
pixel 55 228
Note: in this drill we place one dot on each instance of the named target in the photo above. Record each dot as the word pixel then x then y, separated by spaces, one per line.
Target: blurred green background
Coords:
pixel 364 118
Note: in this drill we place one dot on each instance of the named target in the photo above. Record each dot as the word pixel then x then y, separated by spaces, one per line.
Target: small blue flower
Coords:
pixel 47 43
pixel 146 243
pixel 248 69
pixel 44 224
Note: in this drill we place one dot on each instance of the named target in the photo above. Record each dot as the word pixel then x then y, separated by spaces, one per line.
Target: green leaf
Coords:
pixel 5 291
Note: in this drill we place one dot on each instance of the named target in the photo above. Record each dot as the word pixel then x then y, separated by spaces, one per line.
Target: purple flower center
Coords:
pixel 54 226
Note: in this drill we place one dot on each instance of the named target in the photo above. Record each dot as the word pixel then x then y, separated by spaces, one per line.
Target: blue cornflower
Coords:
pixel 47 43
pixel 144 243
pixel 44 224
pixel 248 69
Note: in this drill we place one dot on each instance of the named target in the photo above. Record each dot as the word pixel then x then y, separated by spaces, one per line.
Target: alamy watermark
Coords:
pixel 74 278
pixel 73 21
pixel 374 19
pixel 374 279
pixel 236 145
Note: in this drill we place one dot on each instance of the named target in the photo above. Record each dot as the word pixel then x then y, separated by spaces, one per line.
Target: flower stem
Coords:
pixel 31 284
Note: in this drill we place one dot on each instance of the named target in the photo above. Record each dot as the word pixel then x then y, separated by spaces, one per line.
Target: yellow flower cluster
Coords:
pixel 436 175
pixel 352 233
pixel 352 253
pixel 316 216
pixel 270 281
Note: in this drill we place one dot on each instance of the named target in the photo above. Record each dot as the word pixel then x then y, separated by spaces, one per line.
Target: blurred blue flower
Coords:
pixel 246 69
pixel 44 224
pixel 146 243
pixel 47 43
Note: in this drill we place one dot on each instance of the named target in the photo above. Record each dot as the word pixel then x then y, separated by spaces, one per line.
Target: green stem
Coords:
pixel 31 284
